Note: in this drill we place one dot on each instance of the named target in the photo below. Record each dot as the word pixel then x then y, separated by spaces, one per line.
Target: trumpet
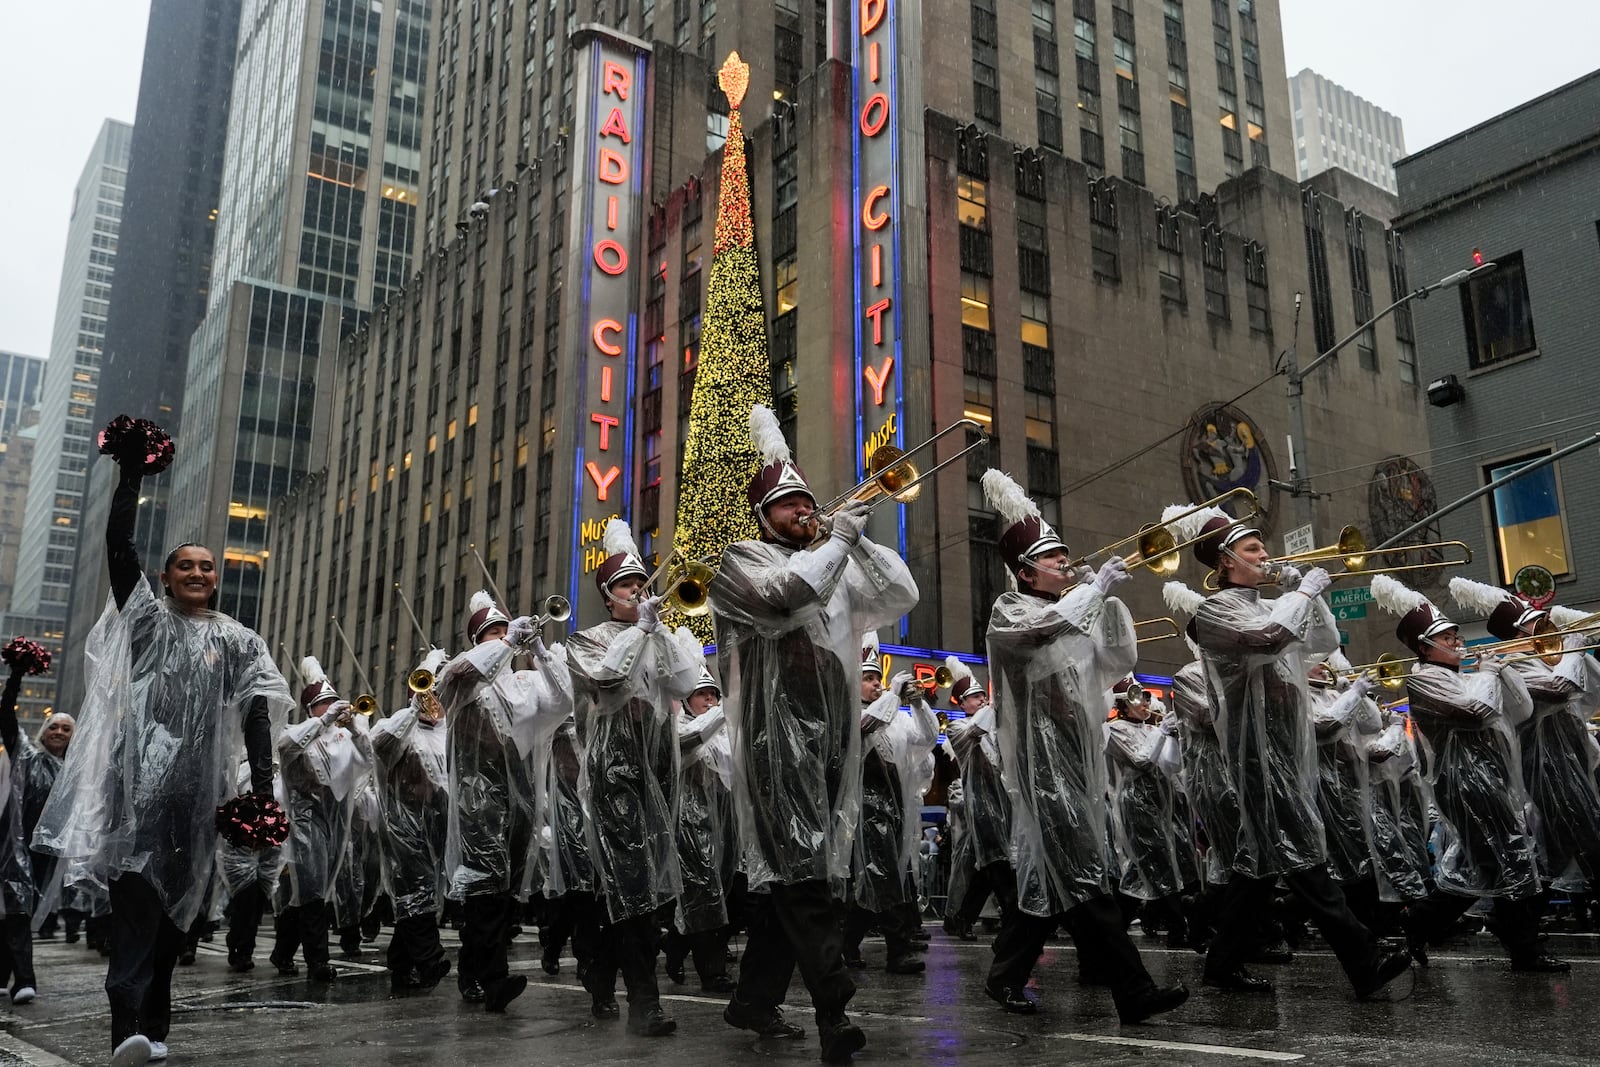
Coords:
pixel 557 608
pixel 892 475
pixel 688 584
pixel 1389 669
pixel 941 679
pixel 1177 631
pixel 420 680
pixel 365 704
pixel 1354 549
pixel 1157 548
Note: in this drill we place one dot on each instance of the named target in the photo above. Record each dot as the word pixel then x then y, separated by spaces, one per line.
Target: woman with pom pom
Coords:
pixel 34 769
pixel 497 721
pixel 177 692
pixel 414 785
pixel 790 610
pixel 1057 643
pixel 1255 655
pixel 626 672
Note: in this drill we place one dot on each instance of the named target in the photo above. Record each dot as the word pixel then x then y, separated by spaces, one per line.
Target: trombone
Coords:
pixel 1389 668
pixel 1176 631
pixel 688 584
pixel 1354 549
pixel 1157 548
pixel 891 474
pixel 365 703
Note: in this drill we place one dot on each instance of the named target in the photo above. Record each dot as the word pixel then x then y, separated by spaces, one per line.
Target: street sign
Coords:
pixel 1298 540
pixel 1344 638
pixel 1346 612
pixel 1348 598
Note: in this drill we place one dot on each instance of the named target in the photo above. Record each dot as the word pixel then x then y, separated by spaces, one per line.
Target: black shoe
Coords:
pixel 918 946
pixel 841 1038
pixel 765 1022
pixel 323 972
pixel 604 1008
pixel 906 964
pixel 1018 1001
pixel 1152 1001
pixel 855 963
pixel 1391 965
pixel 239 963
pixel 406 982
pixel 472 993
pixel 1541 963
pixel 1417 945
pixel 503 992
pixel 551 962
pixel 921 935
pixel 72 937
pixel 652 1023
pixel 286 968
pixel 428 977
pixel 1238 980
pixel 350 943
pixel 959 929
pixel 674 969
pixel 718 983
pixel 1278 953
pixel 186 958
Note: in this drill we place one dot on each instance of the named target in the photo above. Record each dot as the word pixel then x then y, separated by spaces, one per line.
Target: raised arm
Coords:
pixel 122 558
pixel 10 733
pixel 1228 626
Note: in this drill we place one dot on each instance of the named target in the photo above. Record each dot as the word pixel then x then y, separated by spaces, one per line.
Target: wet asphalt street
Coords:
pixel 1467 1009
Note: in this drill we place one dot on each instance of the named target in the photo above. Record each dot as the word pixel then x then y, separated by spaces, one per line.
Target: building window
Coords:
pixel 1528 518
pixel 1360 285
pixel 972 206
pixel 1035 309
pixel 985 63
pixel 978 398
pixel 976 298
pixel 1496 312
pixel 1105 247
pixel 1169 241
pixel 1255 288
pixel 1214 252
pixel 1399 286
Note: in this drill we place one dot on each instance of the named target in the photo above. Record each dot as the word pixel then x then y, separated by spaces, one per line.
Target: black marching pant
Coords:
pixel 892 922
pixel 415 944
pixel 979 885
pixel 708 949
pixel 1098 932
pixel 1514 922
pixel 565 918
pixel 794 926
pixel 484 936
pixel 1246 900
pixel 303 927
pixel 245 910
pixel 628 947
pixel 17 966
pixel 144 949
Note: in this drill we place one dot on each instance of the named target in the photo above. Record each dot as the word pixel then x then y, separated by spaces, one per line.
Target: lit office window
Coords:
pixel 1530 523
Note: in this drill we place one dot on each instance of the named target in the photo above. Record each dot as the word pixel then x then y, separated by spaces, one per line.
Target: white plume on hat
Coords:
pixel 480 600
pixel 1338 662
pixel 1476 596
pixel 767 436
pixel 1567 617
pixel 311 672
pixel 435 659
pixel 618 539
pixel 1189 527
pixel 1395 597
pixel 1181 599
pixel 1007 497
pixel 958 670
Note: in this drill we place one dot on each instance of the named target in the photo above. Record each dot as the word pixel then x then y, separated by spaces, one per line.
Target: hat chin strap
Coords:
pixel 761 519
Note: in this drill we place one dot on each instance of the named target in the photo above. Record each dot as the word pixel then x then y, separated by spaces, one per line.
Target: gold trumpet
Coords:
pixel 892 475
pixel 1177 631
pixel 420 680
pixel 1157 548
pixel 365 704
pixel 1389 669
pixel 942 678
pixel 689 587
pixel 1349 549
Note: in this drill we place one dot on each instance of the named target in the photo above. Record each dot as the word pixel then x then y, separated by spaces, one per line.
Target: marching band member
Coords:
pixel 493 719
pixel 1466 733
pixel 1056 645
pixel 1558 760
pixel 34 768
pixel 789 620
pixel 1149 823
pixel 250 877
pixel 414 786
pixel 1255 653
pixel 981 864
pixel 174 689
pixel 1343 721
pixel 564 872
pixel 1205 771
pixel 885 855
pixel 361 868
pixel 626 672
pixel 704 834
pixel 323 760
pixel 1399 815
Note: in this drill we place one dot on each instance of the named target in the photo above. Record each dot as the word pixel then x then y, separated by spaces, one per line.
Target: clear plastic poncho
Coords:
pixel 156 747
pixel 1051 665
pixel 562 845
pixel 884 861
pixel 361 875
pixel 986 806
pixel 241 868
pixel 789 625
pixel 1399 816
pixel 624 682
pixel 1149 823
pixel 1467 740
pixel 1205 771
pixel 322 767
pixel 705 824
pixel 1256 654
pixel 1342 722
pixel 1558 767
pixel 33 773
pixel 494 719
pixel 414 789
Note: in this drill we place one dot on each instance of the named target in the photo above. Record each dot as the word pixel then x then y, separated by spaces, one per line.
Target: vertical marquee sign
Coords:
pixel 609 153
pixel 878 222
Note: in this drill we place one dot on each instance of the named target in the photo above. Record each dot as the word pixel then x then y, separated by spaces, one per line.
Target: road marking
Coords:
pixel 723 1001
pixel 1183 1046
pixel 31 1054
pixel 340 964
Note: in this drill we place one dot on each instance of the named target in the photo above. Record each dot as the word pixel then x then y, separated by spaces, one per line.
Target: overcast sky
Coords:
pixel 1440 65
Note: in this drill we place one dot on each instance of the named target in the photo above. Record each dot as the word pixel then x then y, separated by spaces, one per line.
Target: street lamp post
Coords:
pixel 1299 486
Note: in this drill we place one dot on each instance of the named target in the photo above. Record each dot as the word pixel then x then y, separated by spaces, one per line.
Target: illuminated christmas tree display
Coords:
pixel 718 459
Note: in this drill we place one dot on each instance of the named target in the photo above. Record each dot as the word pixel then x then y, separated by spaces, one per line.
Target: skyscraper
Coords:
pixel 320 191
pixel 1334 127
pixel 168 222
pixel 20 380
pixel 16 464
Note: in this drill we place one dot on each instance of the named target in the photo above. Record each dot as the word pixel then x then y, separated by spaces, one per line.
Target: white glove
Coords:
pixel 955 792
pixel 1289 577
pixel 1169 725
pixel 339 709
pixel 1315 582
pixel 1491 665
pixel 649 614
pixel 1575 642
pixel 519 631
pixel 1112 573
pixel 898 683
pixel 538 647
pixel 1361 686
pixel 850 521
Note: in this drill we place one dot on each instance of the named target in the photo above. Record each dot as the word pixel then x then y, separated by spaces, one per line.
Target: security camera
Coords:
pixel 1442 392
